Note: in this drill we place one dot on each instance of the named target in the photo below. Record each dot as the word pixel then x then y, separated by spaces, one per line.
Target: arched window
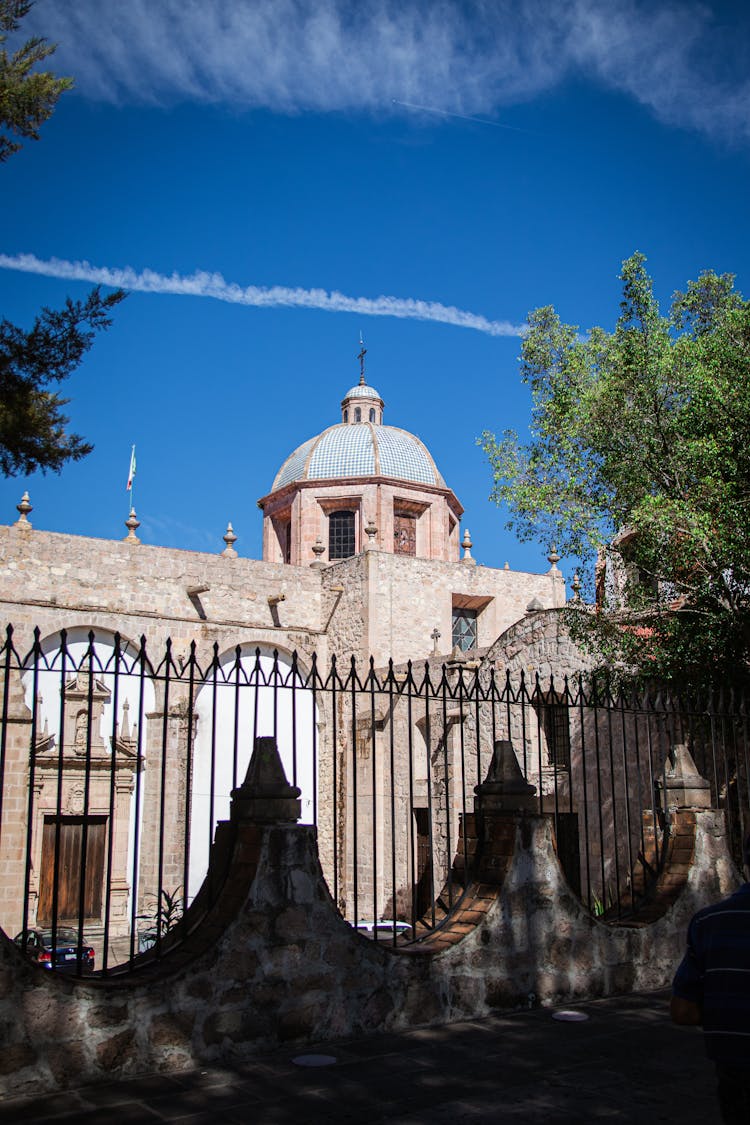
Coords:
pixel 340 535
pixel 372 413
pixel 346 415
pixel 357 414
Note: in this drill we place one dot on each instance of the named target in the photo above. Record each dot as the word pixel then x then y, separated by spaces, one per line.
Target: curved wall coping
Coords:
pixel 273 962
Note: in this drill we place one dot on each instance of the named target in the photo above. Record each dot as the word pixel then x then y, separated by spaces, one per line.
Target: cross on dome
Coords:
pixel 362 403
pixel 361 358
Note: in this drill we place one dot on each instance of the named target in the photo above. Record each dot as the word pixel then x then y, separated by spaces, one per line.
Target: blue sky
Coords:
pixel 487 157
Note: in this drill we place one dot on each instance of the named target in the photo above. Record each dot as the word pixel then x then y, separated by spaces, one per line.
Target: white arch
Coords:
pixel 52 672
pixel 253 696
pixel 135 692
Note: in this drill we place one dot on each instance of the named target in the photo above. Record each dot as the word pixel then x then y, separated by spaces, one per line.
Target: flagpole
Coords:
pixel 131 480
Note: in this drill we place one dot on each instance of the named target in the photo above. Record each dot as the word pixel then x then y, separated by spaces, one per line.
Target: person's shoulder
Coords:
pixel 739 901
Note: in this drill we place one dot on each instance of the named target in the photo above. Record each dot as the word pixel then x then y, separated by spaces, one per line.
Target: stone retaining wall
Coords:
pixel 274 963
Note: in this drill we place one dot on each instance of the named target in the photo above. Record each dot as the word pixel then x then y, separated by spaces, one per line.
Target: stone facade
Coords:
pixel 391 599
pixel 374 603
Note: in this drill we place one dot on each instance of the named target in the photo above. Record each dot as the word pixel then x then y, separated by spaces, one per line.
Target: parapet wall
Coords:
pixel 57 581
pixel 273 962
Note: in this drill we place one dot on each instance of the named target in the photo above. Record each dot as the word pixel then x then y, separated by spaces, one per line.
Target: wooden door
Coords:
pixel 69 868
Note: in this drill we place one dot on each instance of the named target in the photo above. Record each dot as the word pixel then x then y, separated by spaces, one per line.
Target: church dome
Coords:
pixel 360 449
pixel 360 446
pixel 329 491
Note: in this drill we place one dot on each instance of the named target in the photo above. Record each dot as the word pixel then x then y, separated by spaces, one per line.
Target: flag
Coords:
pixel 131 470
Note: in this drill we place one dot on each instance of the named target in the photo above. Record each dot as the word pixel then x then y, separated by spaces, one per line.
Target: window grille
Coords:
pixel 553 715
pixel 372 413
pixel 465 629
pixel 341 535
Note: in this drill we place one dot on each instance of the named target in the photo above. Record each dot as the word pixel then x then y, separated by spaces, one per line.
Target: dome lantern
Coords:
pixel 362 403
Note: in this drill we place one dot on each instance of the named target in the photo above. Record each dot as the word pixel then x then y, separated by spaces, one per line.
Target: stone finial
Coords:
pixel 230 539
pixel 575 586
pixel 467 544
pixel 132 523
pixel 435 635
pixel 505 789
pixel 265 796
pixel 125 724
pixel 370 531
pixel 507 565
pixel 23 510
pixel 684 787
pixel 38 716
pixel 553 559
pixel 318 550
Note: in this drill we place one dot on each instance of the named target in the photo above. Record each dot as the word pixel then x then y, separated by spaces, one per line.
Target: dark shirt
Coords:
pixel 715 973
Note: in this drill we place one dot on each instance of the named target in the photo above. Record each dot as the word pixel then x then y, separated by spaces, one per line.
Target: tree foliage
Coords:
pixel 27 97
pixel 639 455
pixel 32 424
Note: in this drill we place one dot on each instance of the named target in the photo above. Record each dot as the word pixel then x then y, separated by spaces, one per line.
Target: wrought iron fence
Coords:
pixel 117 764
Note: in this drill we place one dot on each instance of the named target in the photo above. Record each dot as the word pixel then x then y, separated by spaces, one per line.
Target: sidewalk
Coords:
pixel 625 1063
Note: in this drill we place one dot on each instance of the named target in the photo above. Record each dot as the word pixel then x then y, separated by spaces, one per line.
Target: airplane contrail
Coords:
pixel 460 116
pixel 203 284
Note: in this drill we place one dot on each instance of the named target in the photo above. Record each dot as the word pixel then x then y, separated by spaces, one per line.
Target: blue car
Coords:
pixel 37 945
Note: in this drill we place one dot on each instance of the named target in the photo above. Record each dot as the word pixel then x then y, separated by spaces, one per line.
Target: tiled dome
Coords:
pixel 362 390
pixel 362 450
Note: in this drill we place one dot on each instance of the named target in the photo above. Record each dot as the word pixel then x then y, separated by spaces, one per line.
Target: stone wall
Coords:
pixel 397 602
pixel 539 644
pixel 373 604
pixel 59 581
pixel 274 963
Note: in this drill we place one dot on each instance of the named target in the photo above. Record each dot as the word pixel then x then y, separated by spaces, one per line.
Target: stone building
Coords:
pixel 362 557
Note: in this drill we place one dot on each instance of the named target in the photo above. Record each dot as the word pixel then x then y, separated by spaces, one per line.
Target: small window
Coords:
pixel 357 414
pixel 340 535
pixel 465 629
pixel 372 413
pixel 346 415
pixel 554 720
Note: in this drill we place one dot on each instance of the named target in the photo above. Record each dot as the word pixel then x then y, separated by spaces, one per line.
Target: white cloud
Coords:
pixel 202 284
pixel 468 57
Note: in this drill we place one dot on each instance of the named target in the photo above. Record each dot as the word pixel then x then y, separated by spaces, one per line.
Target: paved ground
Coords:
pixel 625 1063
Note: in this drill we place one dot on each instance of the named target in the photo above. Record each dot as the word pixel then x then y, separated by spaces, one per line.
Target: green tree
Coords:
pixel 32 425
pixel 27 97
pixel 639 454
